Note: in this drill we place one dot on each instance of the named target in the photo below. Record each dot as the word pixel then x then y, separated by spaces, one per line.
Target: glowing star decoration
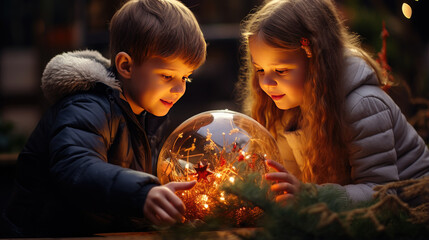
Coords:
pixel 210 147
pixel 202 172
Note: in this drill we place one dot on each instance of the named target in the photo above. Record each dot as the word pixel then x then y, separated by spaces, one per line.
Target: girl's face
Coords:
pixel 281 72
pixel 156 85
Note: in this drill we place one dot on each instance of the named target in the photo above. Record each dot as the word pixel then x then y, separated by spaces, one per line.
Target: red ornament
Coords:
pixel 222 161
pixel 234 147
pixel 202 172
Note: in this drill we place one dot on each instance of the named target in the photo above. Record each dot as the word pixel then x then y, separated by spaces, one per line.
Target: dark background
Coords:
pixel 34 31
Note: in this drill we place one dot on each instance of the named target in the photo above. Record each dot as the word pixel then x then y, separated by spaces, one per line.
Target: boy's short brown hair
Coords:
pixel 156 28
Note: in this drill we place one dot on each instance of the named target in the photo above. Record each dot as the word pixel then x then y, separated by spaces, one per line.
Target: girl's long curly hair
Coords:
pixel 282 24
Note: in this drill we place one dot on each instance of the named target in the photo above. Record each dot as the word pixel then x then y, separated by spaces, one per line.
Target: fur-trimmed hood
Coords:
pixel 75 71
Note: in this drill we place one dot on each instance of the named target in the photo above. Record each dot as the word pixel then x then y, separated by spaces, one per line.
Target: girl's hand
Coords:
pixel 286 184
pixel 162 206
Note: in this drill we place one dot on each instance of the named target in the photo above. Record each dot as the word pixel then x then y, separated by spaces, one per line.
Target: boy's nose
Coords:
pixel 179 88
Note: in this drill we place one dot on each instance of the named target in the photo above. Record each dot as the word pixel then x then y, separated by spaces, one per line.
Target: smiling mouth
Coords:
pixel 277 97
pixel 167 103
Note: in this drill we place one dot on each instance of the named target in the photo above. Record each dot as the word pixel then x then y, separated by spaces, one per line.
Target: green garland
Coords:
pixel 315 213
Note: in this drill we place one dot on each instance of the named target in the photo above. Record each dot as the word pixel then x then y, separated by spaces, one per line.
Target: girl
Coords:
pixel 312 86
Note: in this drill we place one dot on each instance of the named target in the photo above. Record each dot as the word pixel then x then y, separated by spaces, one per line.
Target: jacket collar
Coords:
pixel 75 71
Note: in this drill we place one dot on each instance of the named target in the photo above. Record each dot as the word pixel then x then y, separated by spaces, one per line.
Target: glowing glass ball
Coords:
pixel 209 147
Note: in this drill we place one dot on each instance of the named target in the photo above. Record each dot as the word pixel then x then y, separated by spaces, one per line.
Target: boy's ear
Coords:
pixel 123 63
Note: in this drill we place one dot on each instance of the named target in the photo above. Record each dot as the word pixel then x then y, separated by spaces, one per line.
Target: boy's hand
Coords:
pixel 286 183
pixel 162 206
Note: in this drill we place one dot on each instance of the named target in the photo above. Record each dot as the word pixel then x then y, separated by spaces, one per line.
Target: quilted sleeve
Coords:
pixel 372 143
pixel 79 164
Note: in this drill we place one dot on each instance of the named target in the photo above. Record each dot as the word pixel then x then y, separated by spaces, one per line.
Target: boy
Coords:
pixel 87 166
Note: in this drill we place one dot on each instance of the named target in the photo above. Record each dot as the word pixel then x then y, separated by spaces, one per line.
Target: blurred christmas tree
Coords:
pixel 9 141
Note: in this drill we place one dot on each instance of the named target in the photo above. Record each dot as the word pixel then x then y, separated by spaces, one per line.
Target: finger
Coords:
pixel 176 203
pixel 168 199
pixel 163 216
pixel 176 186
pixel 172 205
pixel 283 187
pixel 284 198
pixel 153 218
pixel 277 166
pixel 279 176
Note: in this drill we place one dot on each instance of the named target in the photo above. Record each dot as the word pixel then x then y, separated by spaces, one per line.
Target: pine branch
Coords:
pixel 315 213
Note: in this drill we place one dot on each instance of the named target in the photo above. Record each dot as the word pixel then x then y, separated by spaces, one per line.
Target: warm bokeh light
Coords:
pixel 406 10
pixel 231 179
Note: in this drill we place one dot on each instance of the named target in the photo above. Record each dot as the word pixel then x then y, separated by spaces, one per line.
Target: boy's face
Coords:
pixel 156 85
pixel 281 72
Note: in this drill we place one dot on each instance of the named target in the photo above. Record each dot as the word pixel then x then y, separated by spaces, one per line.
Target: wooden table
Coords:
pixel 209 235
pixel 231 234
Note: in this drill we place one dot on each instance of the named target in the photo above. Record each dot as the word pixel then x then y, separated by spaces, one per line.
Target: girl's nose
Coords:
pixel 179 87
pixel 267 80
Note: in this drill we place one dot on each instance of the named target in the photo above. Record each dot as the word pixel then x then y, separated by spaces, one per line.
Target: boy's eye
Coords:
pixel 166 77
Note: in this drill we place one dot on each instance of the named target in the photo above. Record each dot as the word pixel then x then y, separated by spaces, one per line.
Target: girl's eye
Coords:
pixel 282 71
pixel 187 79
pixel 260 70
